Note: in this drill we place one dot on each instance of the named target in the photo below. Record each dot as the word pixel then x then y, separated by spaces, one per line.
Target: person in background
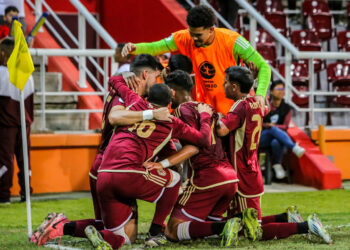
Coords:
pixel 10 12
pixel 10 125
pixel 19 4
pixel 275 125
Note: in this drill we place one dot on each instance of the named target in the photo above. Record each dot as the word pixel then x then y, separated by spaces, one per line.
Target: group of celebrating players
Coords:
pixel 144 146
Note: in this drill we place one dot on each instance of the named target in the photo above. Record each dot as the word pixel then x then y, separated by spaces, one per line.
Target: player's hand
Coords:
pixel 128 48
pixel 205 108
pixel 162 114
pixel 254 69
pixel 152 165
pixel 221 115
pixel 131 80
pixel 259 99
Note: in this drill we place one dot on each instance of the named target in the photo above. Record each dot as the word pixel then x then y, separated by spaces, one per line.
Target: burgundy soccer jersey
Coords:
pixel 210 166
pixel 132 145
pixel 245 122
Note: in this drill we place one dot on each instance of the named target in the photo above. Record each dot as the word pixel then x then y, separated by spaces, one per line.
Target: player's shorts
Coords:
pixel 240 203
pixel 203 205
pixel 117 193
pixel 93 180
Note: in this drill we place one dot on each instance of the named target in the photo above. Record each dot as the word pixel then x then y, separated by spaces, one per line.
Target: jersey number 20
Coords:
pixel 143 129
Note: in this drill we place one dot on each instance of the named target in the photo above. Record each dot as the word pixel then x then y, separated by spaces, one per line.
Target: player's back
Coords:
pixel 244 142
pixel 210 166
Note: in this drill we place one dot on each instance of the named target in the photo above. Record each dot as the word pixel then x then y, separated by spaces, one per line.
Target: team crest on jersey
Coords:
pixel 161 172
pixel 207 70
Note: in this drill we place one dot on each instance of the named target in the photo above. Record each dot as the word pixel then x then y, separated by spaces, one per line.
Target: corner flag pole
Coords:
pixel 26 168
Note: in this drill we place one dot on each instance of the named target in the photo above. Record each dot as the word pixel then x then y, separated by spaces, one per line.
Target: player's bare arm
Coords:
pixel 221 128
pixel 122 117
pixel 185 153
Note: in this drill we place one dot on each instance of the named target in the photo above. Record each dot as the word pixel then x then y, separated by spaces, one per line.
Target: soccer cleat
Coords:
pixel 37 233
pixel 298 151
pixel 294 215
pixel 317 229
pixel 96 239
pixel 251 227
pixel 230 233
pixel 155 241
pixel 53 230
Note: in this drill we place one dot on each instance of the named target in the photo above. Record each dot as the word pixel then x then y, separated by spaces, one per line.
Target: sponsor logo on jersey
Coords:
pixel 207 70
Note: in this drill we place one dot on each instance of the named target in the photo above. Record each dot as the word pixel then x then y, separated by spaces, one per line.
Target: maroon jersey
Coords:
pixel 133 145
pixel 210 166
pixel 245 122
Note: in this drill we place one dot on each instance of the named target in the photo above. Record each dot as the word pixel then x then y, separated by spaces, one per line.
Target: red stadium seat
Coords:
pixel 300 80
pixel 269 52
pixel 315 6
pixel 304 37
pixel 338 75
pixel 323 24
pixel 261 36
pixel 318 64
pixel 269 6
pixel 344 40
pixel 280 21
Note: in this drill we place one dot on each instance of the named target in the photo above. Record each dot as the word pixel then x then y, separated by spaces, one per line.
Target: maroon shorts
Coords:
pixel 206 204
pixel 93 180
pixel 117 193
pixel 240 203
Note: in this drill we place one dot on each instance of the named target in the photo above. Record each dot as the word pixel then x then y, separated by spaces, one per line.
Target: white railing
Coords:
pixel 291 51
pixel 44 53
pixel 79 56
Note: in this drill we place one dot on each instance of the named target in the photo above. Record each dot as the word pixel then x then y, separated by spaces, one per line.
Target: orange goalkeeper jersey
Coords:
pixel 209 65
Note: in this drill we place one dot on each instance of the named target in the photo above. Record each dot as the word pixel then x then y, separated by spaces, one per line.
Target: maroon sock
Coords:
pixel 279 218
pixel 80 226
pixel 165 204
pixel 279 230
pixel 116 241
pixel 203 229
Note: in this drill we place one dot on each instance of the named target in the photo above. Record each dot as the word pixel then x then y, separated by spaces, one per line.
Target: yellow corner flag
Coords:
pixel 20 63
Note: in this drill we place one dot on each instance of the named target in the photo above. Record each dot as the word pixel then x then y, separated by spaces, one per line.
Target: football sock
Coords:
pixel 279 218
pixel 76 228
pixel 116 241
pixel 279 230
pixel 195 229
pixel 303 227
pixel 165 204
pixel 155 229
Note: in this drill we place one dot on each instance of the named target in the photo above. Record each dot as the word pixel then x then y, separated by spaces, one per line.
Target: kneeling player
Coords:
pixel 244 122
pixel 212 181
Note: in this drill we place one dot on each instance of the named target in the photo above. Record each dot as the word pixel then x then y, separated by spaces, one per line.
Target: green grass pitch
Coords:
pixel 333 208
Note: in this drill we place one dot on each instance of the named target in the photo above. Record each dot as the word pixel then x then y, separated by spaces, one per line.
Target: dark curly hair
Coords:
pixel 242 76
pixel 201 16
pixel 179 79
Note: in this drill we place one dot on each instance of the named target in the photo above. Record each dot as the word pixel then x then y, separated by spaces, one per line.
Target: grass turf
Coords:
pixel 332 207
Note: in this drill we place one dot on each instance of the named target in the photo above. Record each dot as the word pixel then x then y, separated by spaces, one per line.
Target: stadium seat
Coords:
pixel 343 39
pixel 323 24
pixel 342 100
pixel 304 37
pixel 269 6
pixel 318 64
pixel 269 52
pixel 338 73
pixel 300 80
pixel 261 36
pixel 314 6
pixel 280 21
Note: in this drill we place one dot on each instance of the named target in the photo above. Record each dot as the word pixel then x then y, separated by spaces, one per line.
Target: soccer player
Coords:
pixel 147 70
pixel 211 50
pixel 244 123
pixel 212 179
pixel 122 178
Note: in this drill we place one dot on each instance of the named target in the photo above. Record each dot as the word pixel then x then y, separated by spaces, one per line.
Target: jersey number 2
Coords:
pixel 257 129
pixel 140 128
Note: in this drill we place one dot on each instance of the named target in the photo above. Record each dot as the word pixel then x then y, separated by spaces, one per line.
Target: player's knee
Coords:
pixel 175 179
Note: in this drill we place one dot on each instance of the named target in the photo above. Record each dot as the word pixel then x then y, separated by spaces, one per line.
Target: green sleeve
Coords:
pixel 244 50
pixel 156 48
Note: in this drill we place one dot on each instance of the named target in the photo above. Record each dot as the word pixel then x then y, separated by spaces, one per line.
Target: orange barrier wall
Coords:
pixel 337 146
pixel 60 163
pixel 313 168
